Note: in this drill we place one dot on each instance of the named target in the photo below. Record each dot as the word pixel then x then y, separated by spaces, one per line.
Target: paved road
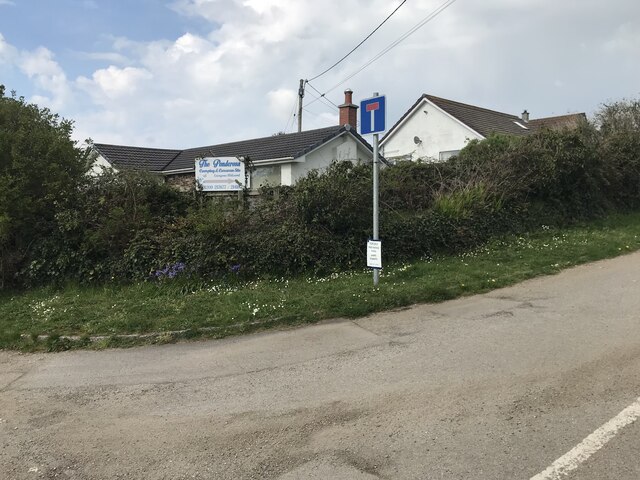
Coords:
pixel 496 386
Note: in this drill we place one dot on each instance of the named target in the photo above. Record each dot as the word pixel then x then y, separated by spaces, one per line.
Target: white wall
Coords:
pixel 437 131
pixel 342 148
pixel 99 166
pixel 286 174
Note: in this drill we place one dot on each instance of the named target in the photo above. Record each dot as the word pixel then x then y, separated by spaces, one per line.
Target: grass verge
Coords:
pixel 98 317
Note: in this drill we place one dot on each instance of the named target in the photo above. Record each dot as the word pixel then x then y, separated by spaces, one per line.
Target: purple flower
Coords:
pixel 235 268
pixel 170 271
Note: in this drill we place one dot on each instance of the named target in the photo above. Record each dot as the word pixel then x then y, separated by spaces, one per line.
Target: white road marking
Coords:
pixel 590 445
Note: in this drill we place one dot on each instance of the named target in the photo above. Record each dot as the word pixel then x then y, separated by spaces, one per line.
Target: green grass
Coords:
pixel 224 309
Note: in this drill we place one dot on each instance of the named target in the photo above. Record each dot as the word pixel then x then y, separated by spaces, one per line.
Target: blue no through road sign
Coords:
pixel 373 115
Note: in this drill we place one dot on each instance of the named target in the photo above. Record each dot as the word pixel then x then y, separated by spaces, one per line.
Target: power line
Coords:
pixel 292 117
pixel 325 101
pixel 322 95
pixel 422 23
pixel 358 46
pixel 394 44
pixel 419 25
pixel 311 112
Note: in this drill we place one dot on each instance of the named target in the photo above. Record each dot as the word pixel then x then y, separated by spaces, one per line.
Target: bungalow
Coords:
pixel 276 160
pixel 436 129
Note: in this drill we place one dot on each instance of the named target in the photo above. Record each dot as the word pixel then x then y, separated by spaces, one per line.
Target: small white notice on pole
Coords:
pixel 374 254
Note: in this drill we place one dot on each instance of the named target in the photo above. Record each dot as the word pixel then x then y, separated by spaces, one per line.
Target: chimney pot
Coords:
pixel 348 111
pixel 525 116
pixel 348 96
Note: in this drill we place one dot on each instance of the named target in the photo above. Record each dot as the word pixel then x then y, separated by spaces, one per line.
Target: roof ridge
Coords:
pixel 577 114
pixel 324 139
pixel 137 148
pixel 431 97
pixel 258 149
pixel 333 127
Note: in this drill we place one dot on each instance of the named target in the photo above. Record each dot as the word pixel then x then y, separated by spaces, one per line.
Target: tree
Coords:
pixel 621 116
pixel 40 168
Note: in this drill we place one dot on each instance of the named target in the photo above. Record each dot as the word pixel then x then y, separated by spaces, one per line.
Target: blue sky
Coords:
pixel 72 28
pixel 183 73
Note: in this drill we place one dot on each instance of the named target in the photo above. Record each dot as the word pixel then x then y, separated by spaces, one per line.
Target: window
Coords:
pixel 269 175
pixel 447 154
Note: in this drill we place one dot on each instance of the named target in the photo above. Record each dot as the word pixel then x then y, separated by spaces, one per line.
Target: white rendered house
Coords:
pixel 276 160
pixel 434 128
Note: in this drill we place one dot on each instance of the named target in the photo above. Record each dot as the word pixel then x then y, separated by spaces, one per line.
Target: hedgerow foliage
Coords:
pixel 39 170
pixel 58 224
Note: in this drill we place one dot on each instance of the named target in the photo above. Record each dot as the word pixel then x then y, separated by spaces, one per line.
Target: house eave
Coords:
pixel 424 100
pixel 273 161
pixel 455 119
pixel 176 171
pixel 365 145
pixel 263 163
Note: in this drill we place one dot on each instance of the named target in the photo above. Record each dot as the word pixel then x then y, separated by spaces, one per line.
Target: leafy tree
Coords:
pixel 621 116
pixel 40 167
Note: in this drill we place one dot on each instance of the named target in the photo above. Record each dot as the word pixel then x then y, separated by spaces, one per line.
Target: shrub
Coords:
pixel 129 226
pixel 39 166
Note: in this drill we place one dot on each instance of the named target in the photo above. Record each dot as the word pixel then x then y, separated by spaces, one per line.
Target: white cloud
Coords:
pixel 8 52
pixel 626 38
pixel 113 83
pixel 239 78
pixel 7 2
pixel 111 57
pixel 40 62
pixel 281 103
pixel 40 66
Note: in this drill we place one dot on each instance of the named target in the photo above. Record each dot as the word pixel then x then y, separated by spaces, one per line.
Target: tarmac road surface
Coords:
pixel 496 386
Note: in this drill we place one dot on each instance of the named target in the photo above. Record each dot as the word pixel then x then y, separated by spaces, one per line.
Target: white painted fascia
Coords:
pixel 266 162
pixel 419 105
pixel 333 138
pixel 364 145
pixel 393 131
pixel 272 161
pixel 455 119
pixel 175 172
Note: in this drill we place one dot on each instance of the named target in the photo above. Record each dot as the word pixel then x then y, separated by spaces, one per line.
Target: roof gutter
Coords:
pixel 265 162
pixel 175 172
pixel 273 161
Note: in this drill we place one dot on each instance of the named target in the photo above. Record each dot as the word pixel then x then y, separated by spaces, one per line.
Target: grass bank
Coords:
pixel 99 317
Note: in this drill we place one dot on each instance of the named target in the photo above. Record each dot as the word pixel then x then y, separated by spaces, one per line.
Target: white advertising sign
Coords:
pixel 220 174
pixel 374 254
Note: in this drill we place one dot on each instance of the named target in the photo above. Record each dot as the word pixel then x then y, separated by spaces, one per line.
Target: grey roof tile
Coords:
pixel 572 120
pixel 486 122
pixel 290 145
pixel 123 157
pixel 482 120
pixel 266 148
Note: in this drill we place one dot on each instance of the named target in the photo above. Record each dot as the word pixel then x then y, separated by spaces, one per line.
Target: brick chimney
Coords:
pixel 348 111
pixel 525 116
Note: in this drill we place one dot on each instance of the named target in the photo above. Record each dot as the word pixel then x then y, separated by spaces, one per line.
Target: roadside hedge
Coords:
pixel 122 227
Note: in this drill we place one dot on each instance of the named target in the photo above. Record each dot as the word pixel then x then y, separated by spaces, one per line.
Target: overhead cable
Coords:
pixel 358 46
pixel 322 95
pixel 391 46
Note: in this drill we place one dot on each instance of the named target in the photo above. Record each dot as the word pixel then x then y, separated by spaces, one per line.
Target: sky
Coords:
pixel 187 73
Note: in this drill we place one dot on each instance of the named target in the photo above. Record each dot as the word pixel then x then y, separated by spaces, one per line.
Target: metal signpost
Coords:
pixel 373 116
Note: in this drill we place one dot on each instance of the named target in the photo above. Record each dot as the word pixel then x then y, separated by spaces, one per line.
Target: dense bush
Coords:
pixel 39 167
pixel 115 228
pixel 128 226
